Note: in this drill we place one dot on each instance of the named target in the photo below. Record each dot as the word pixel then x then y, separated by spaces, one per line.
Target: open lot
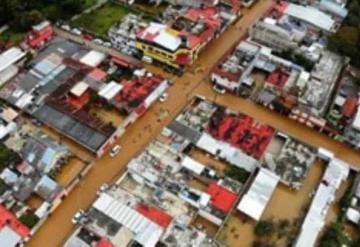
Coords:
pixel 100 20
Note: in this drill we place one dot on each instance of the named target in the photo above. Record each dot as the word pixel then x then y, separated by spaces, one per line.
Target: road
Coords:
pixel 58 227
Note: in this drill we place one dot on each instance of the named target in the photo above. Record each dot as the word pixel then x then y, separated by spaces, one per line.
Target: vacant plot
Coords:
pixel 100 20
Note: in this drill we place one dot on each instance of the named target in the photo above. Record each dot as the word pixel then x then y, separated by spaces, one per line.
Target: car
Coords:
pixel 66 27
pixel 107 44
pixel 147 59
pixel 102 189
pixel 219 89
pixel 115 150
pixel 163 97
pixel 170 82
pixel 78 216
pixel 98 41
pixel 76 31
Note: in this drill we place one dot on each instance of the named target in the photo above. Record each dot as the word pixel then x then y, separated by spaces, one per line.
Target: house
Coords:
pixel 40 34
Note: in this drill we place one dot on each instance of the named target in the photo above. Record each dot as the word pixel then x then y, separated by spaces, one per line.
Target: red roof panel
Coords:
pixel 221 198
pixel 154 214
pixel 7 218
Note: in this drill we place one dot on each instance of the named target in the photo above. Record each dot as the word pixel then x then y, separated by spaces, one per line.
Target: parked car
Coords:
pixel 98 41
pixel 107 44
pixel 219 89
pixel 78 216
pixel 163 97
pixel 66 27
pixel 147 59
pixel 115 151
pixel 102 189
pixel 76 31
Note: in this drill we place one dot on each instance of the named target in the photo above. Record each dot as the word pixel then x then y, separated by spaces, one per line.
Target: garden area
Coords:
pixel 11 36
pixel 100 20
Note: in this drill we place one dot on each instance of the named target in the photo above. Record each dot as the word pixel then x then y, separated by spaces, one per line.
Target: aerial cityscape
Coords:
pixel 180 123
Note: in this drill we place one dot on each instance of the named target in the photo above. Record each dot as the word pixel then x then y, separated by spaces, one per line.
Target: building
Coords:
pixel 8 60
pixel 12 231
pixel 268 33
pixel 314 18
pixel 180 43
pixel 254 202
pixel 7 121
pixel 233 71
pixel 336 173
pixel 40 34
pixel 193 3
pixel 353 211
pixel 65 77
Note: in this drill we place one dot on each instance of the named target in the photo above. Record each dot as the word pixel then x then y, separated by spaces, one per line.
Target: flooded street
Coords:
pixel 285 204
pixel 58 227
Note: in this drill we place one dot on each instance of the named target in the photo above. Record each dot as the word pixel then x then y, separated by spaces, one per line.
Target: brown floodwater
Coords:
pixel 58 227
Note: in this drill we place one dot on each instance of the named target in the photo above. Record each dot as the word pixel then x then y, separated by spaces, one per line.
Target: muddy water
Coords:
pixel 69 172
pixel 285 204
pixel 58 227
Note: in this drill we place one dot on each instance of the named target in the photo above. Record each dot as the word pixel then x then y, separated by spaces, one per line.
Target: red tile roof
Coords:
pixel 7 218
pixel 221 198
pixel 154 214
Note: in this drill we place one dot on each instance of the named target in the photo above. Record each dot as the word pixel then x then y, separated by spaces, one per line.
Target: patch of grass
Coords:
pixel 100 20
pixel 12 37
pixel 89 3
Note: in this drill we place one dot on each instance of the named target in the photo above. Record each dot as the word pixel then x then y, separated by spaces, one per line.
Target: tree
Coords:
pixel 346 40
pixel 264 228
pixel 334 236
pixel 237 173
pixel 29 219
pixel 7 157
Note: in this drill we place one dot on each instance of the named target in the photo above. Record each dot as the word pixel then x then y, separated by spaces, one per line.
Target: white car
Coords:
pixel 77 217
pixel 66 27
pixel 98 41
pixel 115 151
pixel 76 31
pixel 107 44
pixel 163 97
pixel 219 89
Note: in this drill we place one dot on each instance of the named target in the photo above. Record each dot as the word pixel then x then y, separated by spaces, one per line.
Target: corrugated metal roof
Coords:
pixel 313 16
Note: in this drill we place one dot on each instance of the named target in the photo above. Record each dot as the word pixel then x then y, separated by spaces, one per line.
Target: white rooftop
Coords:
pixel 10 57
pixel 110 90
pixel 257 197
pixel 93 58
pixel 162 36
pixel 226 151
pixel 192 165
pixel 8 237
pixel 79 88
pixel 146 232
pixel 336 172
pixel 313 16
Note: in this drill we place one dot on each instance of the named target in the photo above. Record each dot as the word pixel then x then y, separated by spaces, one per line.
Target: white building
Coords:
pixel 258 196
pixel 336 173
pixel 8 60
